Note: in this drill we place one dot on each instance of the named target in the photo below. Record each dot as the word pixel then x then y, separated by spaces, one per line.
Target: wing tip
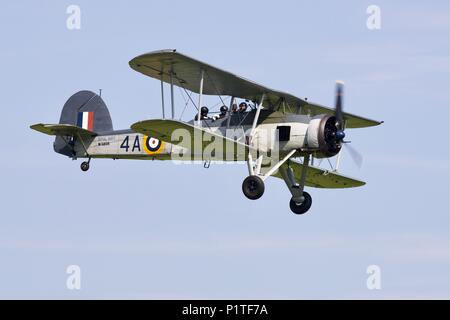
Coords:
pixel 39 127
pixel 377 123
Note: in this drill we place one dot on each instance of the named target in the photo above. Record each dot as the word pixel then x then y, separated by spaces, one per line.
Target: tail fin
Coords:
pixel 86 110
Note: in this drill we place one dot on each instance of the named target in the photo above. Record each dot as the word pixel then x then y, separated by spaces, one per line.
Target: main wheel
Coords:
pixel 253 187
pixel 84 166
pixel 301 208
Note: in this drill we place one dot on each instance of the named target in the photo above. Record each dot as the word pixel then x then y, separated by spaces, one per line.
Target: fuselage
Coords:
pixel 275 130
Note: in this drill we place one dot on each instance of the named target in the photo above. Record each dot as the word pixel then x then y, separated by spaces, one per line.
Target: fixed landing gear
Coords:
pixel 253 187
pixel 302 207
pixel 85 165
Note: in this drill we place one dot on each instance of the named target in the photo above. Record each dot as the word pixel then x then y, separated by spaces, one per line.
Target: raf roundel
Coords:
pixel 152 145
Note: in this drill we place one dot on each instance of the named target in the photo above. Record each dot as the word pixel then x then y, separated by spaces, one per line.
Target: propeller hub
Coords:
pixel 340 135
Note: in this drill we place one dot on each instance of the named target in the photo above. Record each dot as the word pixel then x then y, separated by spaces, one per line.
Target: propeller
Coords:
pixel 340 134
pixel 354 154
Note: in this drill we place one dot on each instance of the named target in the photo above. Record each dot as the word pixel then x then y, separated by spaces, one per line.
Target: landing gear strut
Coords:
pixel 301 201
pixel 253 187
pixel 85 165
pixel 302 207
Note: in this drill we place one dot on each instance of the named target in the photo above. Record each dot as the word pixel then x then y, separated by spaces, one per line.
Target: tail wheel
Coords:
pixel 84 166
pixel 301 208
pixel 253 187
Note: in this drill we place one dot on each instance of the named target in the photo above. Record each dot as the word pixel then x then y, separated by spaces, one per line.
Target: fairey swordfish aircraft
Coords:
pixel 275 133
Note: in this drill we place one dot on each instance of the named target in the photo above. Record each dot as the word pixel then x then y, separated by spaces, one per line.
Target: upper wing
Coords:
pixel 319 178
pixel 62 130
pixel 186 72
pixel 190 137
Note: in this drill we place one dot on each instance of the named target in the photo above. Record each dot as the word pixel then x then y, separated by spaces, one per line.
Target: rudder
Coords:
pixel 86 110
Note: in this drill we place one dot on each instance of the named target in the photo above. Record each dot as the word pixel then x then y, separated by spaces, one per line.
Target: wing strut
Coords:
pixel 199 120
pixel 229 112
pixel 171 95
pixel 162 93
pixel 255 120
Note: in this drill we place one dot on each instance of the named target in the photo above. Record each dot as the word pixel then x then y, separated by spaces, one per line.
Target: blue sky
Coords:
pixel 141 229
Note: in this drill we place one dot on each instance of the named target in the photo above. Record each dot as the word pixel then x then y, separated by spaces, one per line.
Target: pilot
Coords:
pixel 203 113
pixel 222 114
pixel 242 107
pixel 234 108
pixel 223 111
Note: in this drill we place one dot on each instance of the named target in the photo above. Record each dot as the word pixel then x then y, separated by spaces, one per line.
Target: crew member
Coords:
pixel 203 113
pixel 222 114
pixel 242 107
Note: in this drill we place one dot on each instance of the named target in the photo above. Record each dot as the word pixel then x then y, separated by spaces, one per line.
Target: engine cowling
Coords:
pixel 322 134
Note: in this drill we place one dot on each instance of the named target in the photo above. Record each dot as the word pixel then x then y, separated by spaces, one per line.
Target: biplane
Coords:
pixel 273 132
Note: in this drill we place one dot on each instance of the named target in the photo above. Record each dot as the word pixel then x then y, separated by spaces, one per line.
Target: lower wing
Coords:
pixel 320 178
pixel 191 137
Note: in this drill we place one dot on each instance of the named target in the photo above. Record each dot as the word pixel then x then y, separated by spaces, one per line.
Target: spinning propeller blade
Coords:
pixel 340 134
pixel 355 155
pixel 338 105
